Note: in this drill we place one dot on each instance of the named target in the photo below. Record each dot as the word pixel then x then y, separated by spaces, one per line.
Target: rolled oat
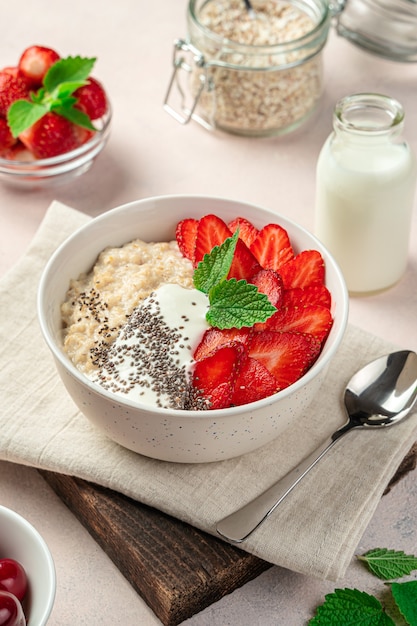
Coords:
pixel 259 78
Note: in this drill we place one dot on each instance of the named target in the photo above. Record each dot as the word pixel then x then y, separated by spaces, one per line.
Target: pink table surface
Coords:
pixel 151 154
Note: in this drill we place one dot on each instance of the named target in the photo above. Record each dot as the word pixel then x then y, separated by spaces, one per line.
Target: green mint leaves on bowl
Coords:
pixel 60 82
pixel 233 303
pixel 351 606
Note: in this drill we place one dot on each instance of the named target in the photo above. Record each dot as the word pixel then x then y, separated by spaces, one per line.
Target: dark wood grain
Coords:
pixel 177 569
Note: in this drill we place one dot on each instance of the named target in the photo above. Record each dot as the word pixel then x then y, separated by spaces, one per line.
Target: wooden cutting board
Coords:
pixel 177 569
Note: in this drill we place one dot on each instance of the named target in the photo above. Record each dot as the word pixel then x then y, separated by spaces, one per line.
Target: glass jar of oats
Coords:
pixel 248 72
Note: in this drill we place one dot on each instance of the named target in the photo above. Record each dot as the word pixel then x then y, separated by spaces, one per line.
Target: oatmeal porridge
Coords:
pixel 99 302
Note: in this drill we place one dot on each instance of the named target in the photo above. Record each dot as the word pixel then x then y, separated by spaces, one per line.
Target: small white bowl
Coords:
pixel 59 169
pixel 20 541
pixel 181 436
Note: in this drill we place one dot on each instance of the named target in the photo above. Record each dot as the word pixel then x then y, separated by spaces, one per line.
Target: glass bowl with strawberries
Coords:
pixel 54 118
pixel 197 339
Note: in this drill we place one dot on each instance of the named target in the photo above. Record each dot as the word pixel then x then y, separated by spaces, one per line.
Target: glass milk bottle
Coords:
pixel 366 178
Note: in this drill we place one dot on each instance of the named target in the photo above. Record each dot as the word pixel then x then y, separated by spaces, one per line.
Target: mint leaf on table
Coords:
pixel 233 303
pixel 389 564
pixel 237 303
pixel 350 607
pixel 405 595
pixel 61 80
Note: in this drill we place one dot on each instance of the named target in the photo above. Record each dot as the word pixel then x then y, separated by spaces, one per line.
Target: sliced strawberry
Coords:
pixel 35 62
pixel 211 231
pixel 50 136
pixel 303 270
pixel 92 99
pixel 214 338
pixel 272 247
pixel 253 382
pixel 286 355
pixel 215 375
pixel 247 231
pixel 269 282
pixel 313 319
pixel 186 235
pixel 6 138
pixel 12 88
pixel 316 293
pixel 244 264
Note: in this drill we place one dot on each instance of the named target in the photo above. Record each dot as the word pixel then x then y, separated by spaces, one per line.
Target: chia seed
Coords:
pixel 150 346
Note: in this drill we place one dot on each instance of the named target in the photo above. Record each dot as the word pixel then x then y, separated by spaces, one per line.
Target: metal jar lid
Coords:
pixel 387 28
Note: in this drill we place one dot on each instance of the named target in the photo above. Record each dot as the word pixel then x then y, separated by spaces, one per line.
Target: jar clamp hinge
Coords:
pixel 181 62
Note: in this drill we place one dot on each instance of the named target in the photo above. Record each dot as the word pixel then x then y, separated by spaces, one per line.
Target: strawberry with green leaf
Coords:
pixel 55 96
pixel 233 303
pixel 50 103
pixel 269 308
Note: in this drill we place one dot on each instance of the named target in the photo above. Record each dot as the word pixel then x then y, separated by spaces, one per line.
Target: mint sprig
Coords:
pixel 61 80
pixel 351 606
pixel 233 303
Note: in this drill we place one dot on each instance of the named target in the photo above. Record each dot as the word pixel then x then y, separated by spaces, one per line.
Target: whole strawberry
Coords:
pixel 91 99
pixel 35 62
pixel 6 138
pixel 50 136
pixel 12 88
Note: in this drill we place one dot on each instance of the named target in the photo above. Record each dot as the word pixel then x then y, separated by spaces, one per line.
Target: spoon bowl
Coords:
pixel 391 394
pixel 379 395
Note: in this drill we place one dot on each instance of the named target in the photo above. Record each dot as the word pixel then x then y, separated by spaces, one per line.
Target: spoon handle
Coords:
pixel 237 526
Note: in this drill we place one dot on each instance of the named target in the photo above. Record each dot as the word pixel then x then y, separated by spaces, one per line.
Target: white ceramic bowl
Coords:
pixel 20 541
pixel 182 436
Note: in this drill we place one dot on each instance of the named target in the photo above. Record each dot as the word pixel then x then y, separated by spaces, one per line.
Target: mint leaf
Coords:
pixel 234 304
pixel 22 114
pixel 215 266
pixel 350 607
pixel 61 80
pixel 70 69
pixel 405 595
pixel 389 564
pixel 75 115
pixel 64 90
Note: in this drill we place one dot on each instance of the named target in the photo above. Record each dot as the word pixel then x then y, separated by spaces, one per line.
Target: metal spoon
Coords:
pixel 379 395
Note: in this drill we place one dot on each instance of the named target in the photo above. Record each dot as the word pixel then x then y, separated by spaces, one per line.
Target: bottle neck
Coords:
pixel 368 118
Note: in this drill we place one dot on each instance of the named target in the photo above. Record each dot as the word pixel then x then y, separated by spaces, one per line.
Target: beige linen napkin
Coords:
pixel 316 530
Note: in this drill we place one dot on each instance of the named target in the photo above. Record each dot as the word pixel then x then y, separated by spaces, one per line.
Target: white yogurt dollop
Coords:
pixel 150 360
